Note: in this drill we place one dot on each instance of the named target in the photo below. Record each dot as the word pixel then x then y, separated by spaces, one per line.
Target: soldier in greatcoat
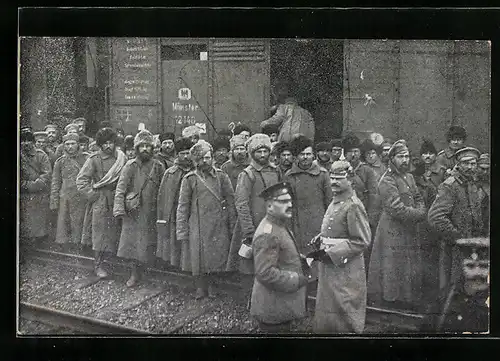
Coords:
pixel 284 156
pixel 311 186
pixel 345 235
pixel 279 292
pixel 41 140
pixel 384 151
pixel 167 149
pixel 337 149
pixel 52 142
pixel 35 173
pixel 323 152
pixel 205 218
pixel 250 207
pixel 455 137
pixel 238 160
pixel 221 151
pixel 97 180
pixel 395 271
pixel 65 199
pixel 169 248
pixel 370 156
pixel 140 177
pixel 457 212
pixel 128 147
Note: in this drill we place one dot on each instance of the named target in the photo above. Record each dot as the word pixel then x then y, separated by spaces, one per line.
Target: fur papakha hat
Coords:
pixel 350 141
pixel 165 136
pixel 323 146
pixel 258 141
pixel 71 136
pixel 427 147
pixel 70 126
pixel 183 144
pixel 241 128
pixel 236 141
pixel 144 136
pixel 280 147
pixel 26 135
pixel 456 132
pixel 270 129
pixel 128 142
pixel 221 142
pixel 198 150
pixel 104 135
pixel 299 143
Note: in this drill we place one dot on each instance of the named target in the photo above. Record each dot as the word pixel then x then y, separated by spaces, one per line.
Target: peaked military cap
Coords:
pixel 484 159
pixel 39 135
pixel 398 147
pixel 276 190
pixel 467 153
pixel 340 169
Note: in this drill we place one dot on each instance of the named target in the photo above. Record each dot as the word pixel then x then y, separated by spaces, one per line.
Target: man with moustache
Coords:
pixel 192 132
pixel 457 213
pixel 97 180
pixel 140 178
pixel 166 155
pixel 83 143
pixel 344 237
pixel 284 156
pixel 337 150
pixel 310 184
pixel 40 140
pixel 395 272
pixel 363 178
pixel 279 292
pixel 70 128
pixel 455 137
pixel 128 147
pixel 205 218
pixel 52 142
pixel 250 207
pixel 243 130
pixel 370 157
pixel 65 199
pixel 238 160
pixel 221 151
pixel 324 154
pixel 35 173
pixel 169 248
pixel 384 151
pixel 430 174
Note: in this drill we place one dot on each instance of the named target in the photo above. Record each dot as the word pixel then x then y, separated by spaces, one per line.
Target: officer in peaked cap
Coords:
pixel 467 153
pixel 279 292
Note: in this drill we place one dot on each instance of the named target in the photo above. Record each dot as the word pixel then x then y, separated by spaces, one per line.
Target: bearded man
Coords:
pixel 128 147
pixel 169 248
pixel 221 151
pixel 192 132
pixel 97 180
pixel 259 175
pixel 140 179
pixel 310 184
pixel 205 218
pixel 35 173
pixel 40 140
pixel 395 272
pixel 167 150
pixel 65 199
pixel 238 160
pixel 284 156
pixel 324 154
pixel 384 152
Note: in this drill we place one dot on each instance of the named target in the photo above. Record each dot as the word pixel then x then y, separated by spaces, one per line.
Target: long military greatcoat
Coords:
pixel 233 169
pixel 276 296
pixel 101 229
pixel 456 213
pixel 446 159
pixel 395 271
pixel 66 198
pixel 205 219
pixel 341 296
pixel 34 196
pixel 312 195
pixel 364 182
pixel 251 208
pixel 138 235
pixel 169 248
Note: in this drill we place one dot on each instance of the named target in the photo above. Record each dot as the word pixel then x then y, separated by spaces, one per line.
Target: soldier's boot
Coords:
pixel 134 276
pixel 99 270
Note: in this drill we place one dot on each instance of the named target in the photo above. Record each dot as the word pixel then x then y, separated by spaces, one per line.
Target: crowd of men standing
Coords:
pixel 362 220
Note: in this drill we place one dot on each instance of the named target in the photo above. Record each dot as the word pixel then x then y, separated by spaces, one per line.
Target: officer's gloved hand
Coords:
pixel 315 242
pixel 248 241
pixel 319 255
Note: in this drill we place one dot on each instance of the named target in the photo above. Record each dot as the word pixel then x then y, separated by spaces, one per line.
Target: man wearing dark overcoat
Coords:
pixel 169 248
pixel 238 160
pixel 52 142
pixel 65 199
pixel 167 150
pixel 324 154
pixel 278 294
pixel 395 270
pixel 97 180
pixel 284 156
pixel 455 137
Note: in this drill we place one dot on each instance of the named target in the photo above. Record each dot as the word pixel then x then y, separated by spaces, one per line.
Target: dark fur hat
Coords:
pixel 280 147
pixel 337 142
pixel 104 135
pixel 366 146
pixel 456 132
pixel 166 136
pixel 323 146
pixel 270 129
pixel 26 135
pixel 427 147
pixel 299 143
pixel 241 128
pixel 128 142
pixel 221 142
pixel 350 141
pixel 183 144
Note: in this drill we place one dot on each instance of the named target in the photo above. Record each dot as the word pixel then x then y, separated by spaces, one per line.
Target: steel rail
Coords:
pixel 84 324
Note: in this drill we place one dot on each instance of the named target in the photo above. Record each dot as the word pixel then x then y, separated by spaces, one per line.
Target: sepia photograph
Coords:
pixel 178 186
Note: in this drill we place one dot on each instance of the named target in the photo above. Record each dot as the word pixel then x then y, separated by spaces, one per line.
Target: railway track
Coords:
pixel 397 321
pixel 79 323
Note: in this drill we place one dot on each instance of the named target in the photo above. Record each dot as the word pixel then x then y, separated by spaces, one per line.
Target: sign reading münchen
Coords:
pixel 135 71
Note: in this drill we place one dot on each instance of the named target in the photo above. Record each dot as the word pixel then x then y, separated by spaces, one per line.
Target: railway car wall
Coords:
pixel 413 88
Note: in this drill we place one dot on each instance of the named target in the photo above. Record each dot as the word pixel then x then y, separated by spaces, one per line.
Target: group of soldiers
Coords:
pixel 360 220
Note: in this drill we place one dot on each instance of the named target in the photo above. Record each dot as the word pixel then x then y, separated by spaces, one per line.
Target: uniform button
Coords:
pixel 345 260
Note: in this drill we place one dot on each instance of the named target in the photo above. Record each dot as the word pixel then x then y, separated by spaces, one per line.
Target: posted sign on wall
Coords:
pixel 135 71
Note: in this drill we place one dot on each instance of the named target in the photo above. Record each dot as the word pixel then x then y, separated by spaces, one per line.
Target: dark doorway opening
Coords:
pixel 314 69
